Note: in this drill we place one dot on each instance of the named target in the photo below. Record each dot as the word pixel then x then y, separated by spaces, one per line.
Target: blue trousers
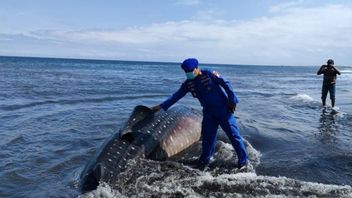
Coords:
pixel 328 88
pixel 210 124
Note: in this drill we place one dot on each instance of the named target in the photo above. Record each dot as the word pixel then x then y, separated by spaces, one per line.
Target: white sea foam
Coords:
pixel 336 108
pixel 103 191
pixel 346 71
pixel 346 75
pixel 204 184
pixel 146 178
pixel 225 152
pixel 302 98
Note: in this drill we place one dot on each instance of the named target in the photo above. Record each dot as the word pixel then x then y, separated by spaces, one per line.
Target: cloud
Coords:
pixel 286 5
pixel 188 2
pixel 298 36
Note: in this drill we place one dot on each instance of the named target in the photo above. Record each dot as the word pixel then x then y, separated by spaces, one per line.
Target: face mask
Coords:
pixel 190 75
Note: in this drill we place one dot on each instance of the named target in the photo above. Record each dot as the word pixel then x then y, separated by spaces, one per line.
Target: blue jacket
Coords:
pixel 207 89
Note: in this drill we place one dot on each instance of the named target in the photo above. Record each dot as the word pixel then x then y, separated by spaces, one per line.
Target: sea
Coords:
pixel 56 113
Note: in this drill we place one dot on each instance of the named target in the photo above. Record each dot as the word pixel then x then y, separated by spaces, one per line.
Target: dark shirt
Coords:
pixel 330 73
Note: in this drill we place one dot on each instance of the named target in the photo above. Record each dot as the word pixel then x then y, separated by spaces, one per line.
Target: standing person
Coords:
pixel 218 108
pixel 329 83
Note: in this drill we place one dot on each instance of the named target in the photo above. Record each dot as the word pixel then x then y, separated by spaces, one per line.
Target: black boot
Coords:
pixel 323 101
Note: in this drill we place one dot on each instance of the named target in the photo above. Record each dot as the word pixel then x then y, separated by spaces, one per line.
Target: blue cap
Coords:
pixel 189 64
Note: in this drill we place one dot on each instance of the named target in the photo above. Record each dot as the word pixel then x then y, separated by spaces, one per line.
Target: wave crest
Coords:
pixel 172 179
pixel 302 98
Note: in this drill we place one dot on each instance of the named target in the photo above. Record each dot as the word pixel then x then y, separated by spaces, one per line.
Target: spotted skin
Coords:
pixel 145 135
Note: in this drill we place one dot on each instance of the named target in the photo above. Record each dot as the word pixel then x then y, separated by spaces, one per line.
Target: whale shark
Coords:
pixel 157 136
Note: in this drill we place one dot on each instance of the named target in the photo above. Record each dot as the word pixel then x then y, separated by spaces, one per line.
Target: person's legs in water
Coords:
pixel 332 90
pixel 209 130
pixel 228 124
pixel 324 93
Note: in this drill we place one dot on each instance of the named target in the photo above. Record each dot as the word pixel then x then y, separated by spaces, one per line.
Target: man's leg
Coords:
pixel 332 90
pixel 324 93
pixel 209 131
pixel 228 124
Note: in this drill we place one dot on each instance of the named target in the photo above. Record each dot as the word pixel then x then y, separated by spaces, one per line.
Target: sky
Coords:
pixel 252 32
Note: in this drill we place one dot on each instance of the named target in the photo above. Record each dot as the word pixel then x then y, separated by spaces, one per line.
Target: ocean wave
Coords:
pixel 224 159
pixel 145 171
pixel 257 93
pixel 18 177
pixel 346 71
pixel 302 98
pixel 146 178
pixel 170 179
pixel 346 75
pixel 17 139
pixel 77 101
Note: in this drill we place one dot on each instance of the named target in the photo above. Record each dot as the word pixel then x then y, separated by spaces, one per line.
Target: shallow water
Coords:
pixel 55 113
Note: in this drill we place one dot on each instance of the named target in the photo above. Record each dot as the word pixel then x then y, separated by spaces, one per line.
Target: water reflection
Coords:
pixel 328 128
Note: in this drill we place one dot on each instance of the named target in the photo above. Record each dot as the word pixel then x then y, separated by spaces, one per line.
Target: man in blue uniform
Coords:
pixel 218 108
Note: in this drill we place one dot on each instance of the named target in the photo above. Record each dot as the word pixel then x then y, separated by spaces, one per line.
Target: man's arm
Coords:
pixel 233 100
pixel 182 91
pixel 337 71
pixel 321 70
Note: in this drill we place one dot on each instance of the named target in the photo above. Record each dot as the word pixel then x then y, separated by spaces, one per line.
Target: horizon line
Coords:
pixel 117 60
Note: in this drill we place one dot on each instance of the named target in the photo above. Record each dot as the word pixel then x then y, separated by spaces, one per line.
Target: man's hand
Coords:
pixel 156 108
pixel 232 107
pixel 337 71
pixel 324 68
